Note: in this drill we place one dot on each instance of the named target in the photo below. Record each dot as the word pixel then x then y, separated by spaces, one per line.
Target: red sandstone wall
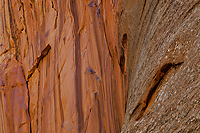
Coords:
pixel 60 67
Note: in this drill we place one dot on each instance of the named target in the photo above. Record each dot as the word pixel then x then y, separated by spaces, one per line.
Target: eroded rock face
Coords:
pixel 68 65
pixel 162 33
pixel 70 61
pixel 14 98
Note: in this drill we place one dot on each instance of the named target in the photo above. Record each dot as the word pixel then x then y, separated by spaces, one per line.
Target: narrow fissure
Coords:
pixel 4 52
pixel 28 109
pixel 122 53
pixel 29 106
pixel 147 98
pixel 44 52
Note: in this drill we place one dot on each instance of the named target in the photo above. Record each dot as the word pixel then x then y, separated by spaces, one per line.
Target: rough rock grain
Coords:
pixel 162 32
pixel 99 66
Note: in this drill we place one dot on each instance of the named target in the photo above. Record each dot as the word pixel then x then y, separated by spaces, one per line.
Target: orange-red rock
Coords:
pixel 14 98
pixel 77 86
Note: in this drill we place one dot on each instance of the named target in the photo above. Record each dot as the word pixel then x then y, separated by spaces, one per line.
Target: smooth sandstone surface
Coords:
pixel 99 66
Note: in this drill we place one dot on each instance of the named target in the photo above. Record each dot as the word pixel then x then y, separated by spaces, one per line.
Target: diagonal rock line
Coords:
pixel 42 55
pixel 147 98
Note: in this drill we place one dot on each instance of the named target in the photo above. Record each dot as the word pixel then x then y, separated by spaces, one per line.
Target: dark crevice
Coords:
pixel 124 41
pixel 122 62
pixel 121 12
pixel 147 101
pixel 147 98
pixel 28 110
pixel 31 5
pixel 22 124
pixel 122 53
pixel 42 55
pixel 56 19
pixel 4 52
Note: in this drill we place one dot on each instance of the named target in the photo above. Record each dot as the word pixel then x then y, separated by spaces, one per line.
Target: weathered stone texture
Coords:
pixel 14 98
pixel 68 55
pixel 162 32
pixel 99 66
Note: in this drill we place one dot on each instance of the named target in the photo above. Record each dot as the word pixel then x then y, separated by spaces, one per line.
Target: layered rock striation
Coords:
pixel 99 66
pixel 164 65
pixel 67 75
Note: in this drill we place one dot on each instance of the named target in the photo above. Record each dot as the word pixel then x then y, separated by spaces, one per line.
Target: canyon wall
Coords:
pixel 60 66
pixel 99 66
pixel 164 65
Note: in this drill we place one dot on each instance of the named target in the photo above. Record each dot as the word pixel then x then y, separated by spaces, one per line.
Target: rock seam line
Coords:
pixel 147 97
